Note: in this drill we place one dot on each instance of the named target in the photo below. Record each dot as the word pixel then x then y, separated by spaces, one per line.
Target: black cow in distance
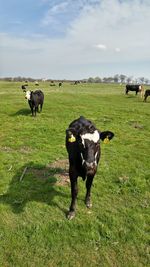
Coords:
pixel 137 88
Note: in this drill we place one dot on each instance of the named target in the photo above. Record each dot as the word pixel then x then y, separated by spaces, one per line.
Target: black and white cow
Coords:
pixel 147 93
pixel 83 147
pixel 35 99
pixel 136 88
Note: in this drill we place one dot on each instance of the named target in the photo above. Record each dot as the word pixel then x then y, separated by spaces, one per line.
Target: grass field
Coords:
pixel 34 230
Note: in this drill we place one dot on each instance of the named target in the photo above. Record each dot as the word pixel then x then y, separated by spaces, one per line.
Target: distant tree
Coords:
pixel 116 78
pixel 8 79
pixel 142 79
pixel 98 80
pixel 147 81
pixel 108 79
pixel 129 79
pixel 84 81
pixel 91 80
pixel 122 78
pixel 105 80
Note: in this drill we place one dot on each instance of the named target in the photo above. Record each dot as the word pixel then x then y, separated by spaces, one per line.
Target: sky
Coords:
pixel 74 39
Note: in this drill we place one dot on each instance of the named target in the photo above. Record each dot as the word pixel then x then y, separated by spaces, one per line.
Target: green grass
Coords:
pixel 34 230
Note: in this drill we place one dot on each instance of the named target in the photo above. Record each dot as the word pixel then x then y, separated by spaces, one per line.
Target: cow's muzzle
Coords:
pixel 90 167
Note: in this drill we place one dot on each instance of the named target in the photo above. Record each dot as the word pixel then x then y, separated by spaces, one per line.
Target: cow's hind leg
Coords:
pixel 36 110
pixel 41 107
pixel 88 191
pixel 74 193
pixel 145 97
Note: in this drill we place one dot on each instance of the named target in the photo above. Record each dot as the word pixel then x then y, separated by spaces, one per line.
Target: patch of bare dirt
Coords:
pixel 57 169
pixel 136 125
pixel 60 163
pixel 61 167
pixel 6 149
pixel 25 150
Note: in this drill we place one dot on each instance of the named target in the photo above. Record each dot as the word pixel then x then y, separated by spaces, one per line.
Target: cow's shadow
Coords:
pixel 130 96
pixel 22 112
pixel 33 183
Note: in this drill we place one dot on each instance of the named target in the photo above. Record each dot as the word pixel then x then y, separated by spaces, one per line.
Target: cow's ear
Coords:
pixel 106 136
pixel 70 136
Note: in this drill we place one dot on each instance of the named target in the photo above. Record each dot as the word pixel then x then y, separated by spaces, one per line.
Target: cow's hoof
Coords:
pixel 88 204
pixel 70 215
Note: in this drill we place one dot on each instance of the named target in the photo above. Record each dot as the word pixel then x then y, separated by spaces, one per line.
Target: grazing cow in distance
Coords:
pixel 52 83
pixel 23 87
pixel 60 84
pixel 136 88
pixel 76 82
pixel 83 147
pixel 36 83
pixel 35 99
pixel 147 93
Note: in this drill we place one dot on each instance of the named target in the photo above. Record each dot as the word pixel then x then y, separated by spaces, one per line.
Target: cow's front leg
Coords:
pixel 32 111
pixel 88 191
pixel 74 192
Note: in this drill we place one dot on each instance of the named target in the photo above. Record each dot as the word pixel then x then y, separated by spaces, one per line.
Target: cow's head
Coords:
pixel 28 95
pixel 89 144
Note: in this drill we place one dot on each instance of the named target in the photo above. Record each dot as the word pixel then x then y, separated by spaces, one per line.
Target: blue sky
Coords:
pixel 74 39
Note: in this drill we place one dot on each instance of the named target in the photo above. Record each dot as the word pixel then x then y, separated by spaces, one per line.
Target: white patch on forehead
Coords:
pixel 140 87
pixel 28 94
pixel 91 137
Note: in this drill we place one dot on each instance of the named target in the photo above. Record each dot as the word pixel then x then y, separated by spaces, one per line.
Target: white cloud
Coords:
pixel 53 11
pixel 101 46
pixel 66 10
pixel 115 24
pixel 59 7
pixel 117 49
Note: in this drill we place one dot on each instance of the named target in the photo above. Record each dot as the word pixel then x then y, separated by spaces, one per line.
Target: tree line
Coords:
pixel 118 78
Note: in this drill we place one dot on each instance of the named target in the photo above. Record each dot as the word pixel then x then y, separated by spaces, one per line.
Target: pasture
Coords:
pixel 34 230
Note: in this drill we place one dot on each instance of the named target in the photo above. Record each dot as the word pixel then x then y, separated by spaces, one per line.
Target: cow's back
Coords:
pixel 37 97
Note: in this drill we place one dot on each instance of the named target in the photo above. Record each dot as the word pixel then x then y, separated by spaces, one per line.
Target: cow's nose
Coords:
pixel 90 165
